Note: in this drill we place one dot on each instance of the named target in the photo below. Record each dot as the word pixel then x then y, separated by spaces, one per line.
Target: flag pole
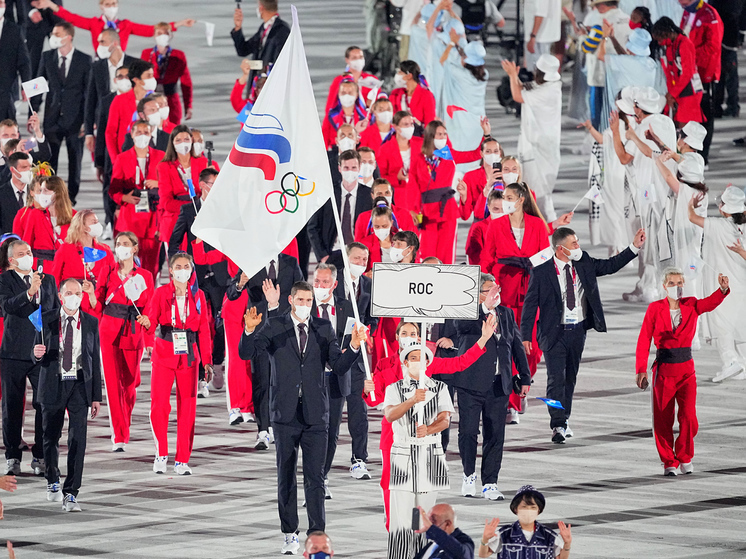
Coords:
pixel 351 291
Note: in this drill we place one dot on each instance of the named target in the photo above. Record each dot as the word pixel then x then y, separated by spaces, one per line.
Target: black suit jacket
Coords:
pixel 322 229
pixel 98 88
pixel 15 62
pixel 456 545
pixel 481 377
pixel 544 296
pixel 253 47
pixel 363 301
pixel 101 155
pixel 64 108
pixel 19 335
pixel 339 385
pixel 50 380
pixel 8 207
pixel 291 371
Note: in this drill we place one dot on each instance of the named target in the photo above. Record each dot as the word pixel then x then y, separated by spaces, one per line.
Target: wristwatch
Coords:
pixel 533 35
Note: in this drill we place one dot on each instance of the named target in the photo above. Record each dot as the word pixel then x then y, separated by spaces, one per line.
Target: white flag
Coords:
pixel 209 32
pixel 35 87
pixel 542 256
pixel 594 194
pixel 134 287
pixel 277 174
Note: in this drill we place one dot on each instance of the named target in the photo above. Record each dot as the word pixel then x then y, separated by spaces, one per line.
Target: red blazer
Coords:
pixel 390 163
pixel 657 326
pixel 109 293
pixel 374 249
pixel 237 100
pixel 500 243
pixel 679 67
pixel 68 263
pixel 143 224
pixel 122 108
pixel 159 313
pixel 35 227
pixel 421 181
pixel 475 241
pixel 96 25
pixel 176 70
pixel 174 193
pixel 421 105
pixel 475 180
pixel 371 137
pixel 707 36
pixel 403 220
pixel 331 98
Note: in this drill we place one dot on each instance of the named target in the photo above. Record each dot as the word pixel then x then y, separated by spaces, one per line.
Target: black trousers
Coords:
pixel 74 144
pixel 14 375
pixel 73 400
pixel 357 422
pixel 728 83
pixel 311 439
pixel 445 434
pixel 110 206
pixel 214 292
pixel 491 406
pixel 709 124
pixel 563 361
pixel 260 373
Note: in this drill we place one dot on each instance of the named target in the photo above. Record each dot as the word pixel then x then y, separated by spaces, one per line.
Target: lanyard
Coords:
pixel 184 176
pixel 121 284
pixel 173 310
pixel 87 266
pixel 331 308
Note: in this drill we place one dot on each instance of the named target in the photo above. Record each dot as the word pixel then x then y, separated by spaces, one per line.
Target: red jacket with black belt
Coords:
pixel 707 35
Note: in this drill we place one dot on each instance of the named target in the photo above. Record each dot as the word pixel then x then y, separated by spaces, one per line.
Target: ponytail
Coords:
pixel 529 204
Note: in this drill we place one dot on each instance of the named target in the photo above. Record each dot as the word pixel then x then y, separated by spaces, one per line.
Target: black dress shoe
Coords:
pixel 732 112
pixel 740 142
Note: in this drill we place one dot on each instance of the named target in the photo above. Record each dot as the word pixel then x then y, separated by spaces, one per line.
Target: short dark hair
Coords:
pixel 181 254
pixel 560 234
pixel 206 173
pixel 152 98
pixel 137 68
pixel 269 5
pixel 16 157
pixel 300 286
pixel 382 211
pixel 410 238
pixel 399 115
pixel 356 244
pixel 530 497
pixel 348 155
pixel 495 194
pixel 365 149
pixel 67 26
pixel 348 50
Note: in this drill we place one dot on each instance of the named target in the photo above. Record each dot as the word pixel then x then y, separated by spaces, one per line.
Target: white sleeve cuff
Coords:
pixel 633 248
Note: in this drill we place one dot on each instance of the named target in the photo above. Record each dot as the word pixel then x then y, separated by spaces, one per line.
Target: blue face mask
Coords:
pixel 319 555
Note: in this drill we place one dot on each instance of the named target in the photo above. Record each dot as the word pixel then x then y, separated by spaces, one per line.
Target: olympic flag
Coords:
pixel 277 174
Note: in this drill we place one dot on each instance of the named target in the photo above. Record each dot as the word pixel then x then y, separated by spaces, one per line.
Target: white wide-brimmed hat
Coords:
pixel 649 100
pixel 404 353
pixel 733 200
pixel 626 103
pixel 695 135
pixel 692 168
pixel 550 66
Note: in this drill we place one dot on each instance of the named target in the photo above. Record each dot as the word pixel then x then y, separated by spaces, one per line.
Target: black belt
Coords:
pixel 166 333
pixel 436 195
pixel 183 197
pixel 169 88
pixel 673 355
pixel 128 313
pixel 41 254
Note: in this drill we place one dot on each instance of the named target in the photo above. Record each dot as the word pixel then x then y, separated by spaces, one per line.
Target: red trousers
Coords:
pixel 148 252
pixel 438 238
pixel 238 387
pixel 671 387
pixel 534 357
pixel 122 377
pixel 161 383
pixel 385 476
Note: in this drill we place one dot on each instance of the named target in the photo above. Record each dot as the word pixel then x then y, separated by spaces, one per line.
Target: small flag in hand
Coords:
pixel 444 153
pixel 450 109
pixel 35 87
pixel 35 318
pixel 244 114
pixel 91 255
pixel 190 186
pixel 134 287
pixel 594 194
pixel 552 403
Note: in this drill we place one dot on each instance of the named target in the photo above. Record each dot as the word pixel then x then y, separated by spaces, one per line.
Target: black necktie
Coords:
pixel 357 291
pixel 347 221
pixel 325 310
pixel 302 336
pixel 272 273
pixel 570 287
pixel 20 199
pixel 27 279
pixel 61 70
pixel 67 352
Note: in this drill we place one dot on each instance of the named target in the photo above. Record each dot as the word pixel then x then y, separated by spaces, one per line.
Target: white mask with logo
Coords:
pixel 382 233
pixel 321 293
pixel 575 254
pixel 72 302
pixel 44 200
pixel 182 275
pixel 183 148
pixel 675 292
pixel 397 254
pixel 123 252
pixel 356 270
pixel 346 144
pixel 508 207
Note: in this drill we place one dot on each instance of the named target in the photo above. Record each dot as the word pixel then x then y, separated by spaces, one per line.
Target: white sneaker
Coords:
pixel 262 441
pixel 669 472
pixel 12 467
pixel 248 417
pixel 490 492
pixel 70 504
pixel 469 485
pixel 235 417
pixel 512 417
pixel 327 491
pixel 53 492
pixel 568 431
pixel 202 390
pixel 159 464
pixel 359 470
pixel 182 469
pixel 107 233
pixel 38 466
pixel 291 545
pixel 650 295
pixel 558 435
pixel 687 468
pixel 118 447
pixel 218 379
pixel 633 296
pixel 726 372
pixel 271 436
pixel 524 405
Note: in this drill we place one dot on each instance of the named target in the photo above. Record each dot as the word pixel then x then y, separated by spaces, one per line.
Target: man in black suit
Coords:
pixel 22 292
pixel 39 26
pixel 445 541
pixel 70 381
pixel 15 63
pixel 358 254
pixel 300 347
pixel 283 272
pixel 14 193
pixel 564 291
pixel 67 70
pixel 148 109
pixel 352 199
pixel 266 43
pixel 347 139
pixel 484 388
pixel 36 146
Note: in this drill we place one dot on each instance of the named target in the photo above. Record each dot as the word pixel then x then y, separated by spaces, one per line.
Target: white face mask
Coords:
pixel 345 144
pixel 491 158
pixel 397 254
pixel 103 52
pixel 25 262
pixel 347 100
pixel 26 176
pixel 404 341
pixel 390 200
pixel 399 81
pixel 150 84
pixel 162 40
pixel 385 117
pixel 111 12
pixel 350 176
pixel 123 252
pixel 183 148
pixel 510 178
pixel 259 13
pixel 575 253
pixel 407 132
pixel 4 141
pixel 45 200
pixel 164 112
pixel 675 292
pixel 55 42
pixel 357 64
pixel 72 302
pixel 182 275
pixel 508 207
pixel 367 169
pixel 96 230
pixel 141 141
pixel 440 143
pixel 495 215
pixel 199 147
pixel 124 85
pixel 382 233
pixel 154 119
pixel 302 312
pixel 321 293
pixel 356 270
pixel 413 368
pixel 527 516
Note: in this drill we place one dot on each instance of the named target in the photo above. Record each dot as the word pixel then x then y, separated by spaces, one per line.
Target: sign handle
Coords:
pixel 423 370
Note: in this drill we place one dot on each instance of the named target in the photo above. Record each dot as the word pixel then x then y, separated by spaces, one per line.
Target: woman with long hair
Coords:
pixel 381 127
pixel 412 94
pixel 395 159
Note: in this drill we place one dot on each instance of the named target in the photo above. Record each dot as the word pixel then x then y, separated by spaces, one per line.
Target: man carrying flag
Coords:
pixel 28 299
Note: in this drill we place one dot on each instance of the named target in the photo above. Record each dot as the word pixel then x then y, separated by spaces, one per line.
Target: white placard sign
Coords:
pixel 425 291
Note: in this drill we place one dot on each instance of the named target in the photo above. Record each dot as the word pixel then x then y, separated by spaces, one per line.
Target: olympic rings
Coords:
pixel 287 193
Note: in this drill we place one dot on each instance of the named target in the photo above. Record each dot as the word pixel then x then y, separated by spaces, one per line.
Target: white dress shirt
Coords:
pixel 267 28
pixel 77 338
pixel 277 266
pixel 580 301
pixel 68 60
pixel 353 201
pixel 331 310
pixel 113 72
pixel 24 190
